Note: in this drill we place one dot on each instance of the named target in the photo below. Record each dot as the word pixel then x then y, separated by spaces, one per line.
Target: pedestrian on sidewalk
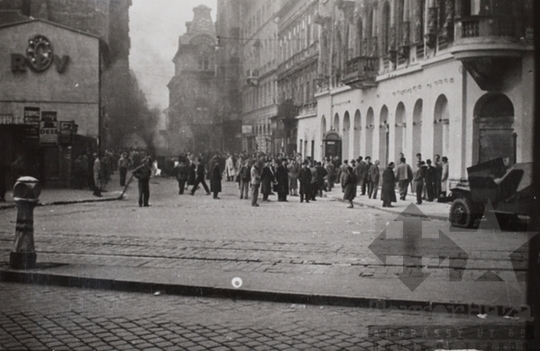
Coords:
pixel 182 173
pixel 438 176
pixel 342 173
pixel 388 194
pixel 431 175
pixel 267 180
pixel 293 168
pixel 330 174
pixel 143 174
pixel 99 176
pixel 404 175
pixel 419 181
pixel 350 187
pixel 191 173
pixel 255 183
pixel 314 185
pixel 444 178
pixel 304 177
pixel 200 178
pixel 282 178
pixel 245 178
pixel 374 174
pixel 123 166
pixel 215 181
pixel 365 183
pixel 321 175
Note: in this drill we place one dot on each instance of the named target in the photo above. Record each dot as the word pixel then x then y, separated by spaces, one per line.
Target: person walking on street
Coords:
pixel 255 183
pixel 373 180
pixel 215 181
pixel 123 165
pixel 200 178
pixel 143 174
pixel 388 194
pixel 304 177
pixel 192 174
pixel 182 173
pixel 444 177
pixel 350 187
pixel 245 178
pixel 419 181
pixel 403 175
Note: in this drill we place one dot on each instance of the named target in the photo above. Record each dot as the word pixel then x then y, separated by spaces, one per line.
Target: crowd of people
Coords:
pixel 308 179
pixel 286 175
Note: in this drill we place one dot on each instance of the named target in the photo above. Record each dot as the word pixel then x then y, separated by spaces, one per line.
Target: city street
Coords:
pixel 316 248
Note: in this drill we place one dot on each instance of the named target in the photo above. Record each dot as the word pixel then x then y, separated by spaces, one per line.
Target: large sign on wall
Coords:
pixel 39 57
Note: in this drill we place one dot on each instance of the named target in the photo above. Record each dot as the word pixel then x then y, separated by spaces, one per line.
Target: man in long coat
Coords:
pixel 267 180
pixel 215 181
pixel 304 177
pixel 388 195
pixel 282 178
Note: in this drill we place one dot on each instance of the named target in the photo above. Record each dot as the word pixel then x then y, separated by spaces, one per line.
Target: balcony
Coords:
pixel 360 72
pixel 489 45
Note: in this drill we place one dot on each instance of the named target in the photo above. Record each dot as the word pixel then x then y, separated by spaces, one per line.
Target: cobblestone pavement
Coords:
pixel 42 317
pixel 319 239
pixel 230 235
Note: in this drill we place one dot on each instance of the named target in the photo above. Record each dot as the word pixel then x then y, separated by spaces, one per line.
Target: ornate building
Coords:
pixel 446 77
pixel 259 80
pixel 193 118
pixel 297 72
pixel 229 68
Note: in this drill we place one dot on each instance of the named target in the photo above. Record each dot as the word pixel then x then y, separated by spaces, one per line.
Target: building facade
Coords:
pixel 229 68
pixel 258 34
pixel 193 113
pixel 450 78
pixel 61 63
pixel 298 57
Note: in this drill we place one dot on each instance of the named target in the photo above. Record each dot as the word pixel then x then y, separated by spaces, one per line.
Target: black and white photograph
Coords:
pixel 269 175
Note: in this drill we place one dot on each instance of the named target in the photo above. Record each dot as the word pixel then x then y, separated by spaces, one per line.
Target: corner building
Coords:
pixel 448 77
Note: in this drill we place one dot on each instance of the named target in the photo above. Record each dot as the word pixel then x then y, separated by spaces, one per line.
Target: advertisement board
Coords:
pixel 48 128
pixel 31 120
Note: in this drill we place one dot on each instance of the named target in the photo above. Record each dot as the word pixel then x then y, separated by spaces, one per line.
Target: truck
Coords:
pixel 509 189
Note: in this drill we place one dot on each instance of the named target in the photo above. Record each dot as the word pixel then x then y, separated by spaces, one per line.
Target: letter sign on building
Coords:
pixel 39 57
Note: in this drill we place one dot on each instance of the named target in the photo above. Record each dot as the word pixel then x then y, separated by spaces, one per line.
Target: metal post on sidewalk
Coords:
pixel 26 193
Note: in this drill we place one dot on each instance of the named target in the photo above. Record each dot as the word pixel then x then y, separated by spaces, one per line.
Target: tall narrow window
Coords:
pixel 385 40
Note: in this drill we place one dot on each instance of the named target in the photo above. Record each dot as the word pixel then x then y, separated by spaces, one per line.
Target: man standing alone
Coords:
pixel 143 174
pixel 304 177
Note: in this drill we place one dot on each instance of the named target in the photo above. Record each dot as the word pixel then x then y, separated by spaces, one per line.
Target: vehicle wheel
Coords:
pixel 461 213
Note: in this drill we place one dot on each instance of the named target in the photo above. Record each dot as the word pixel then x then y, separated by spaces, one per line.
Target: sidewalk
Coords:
pixel 73 196
pixel 434 210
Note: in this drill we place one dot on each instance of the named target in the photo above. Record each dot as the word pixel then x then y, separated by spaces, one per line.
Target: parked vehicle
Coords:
pixel 510 192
